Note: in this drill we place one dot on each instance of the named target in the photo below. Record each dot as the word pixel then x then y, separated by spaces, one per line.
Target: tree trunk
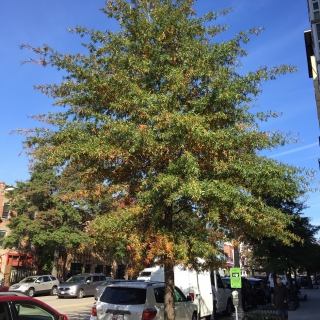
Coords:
pixel 169 290
pixel 114 267
pixel 310 284
pixel 54 271
pixel 169 313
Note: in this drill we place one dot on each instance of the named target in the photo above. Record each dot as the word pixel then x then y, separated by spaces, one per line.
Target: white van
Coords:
pixel 195 284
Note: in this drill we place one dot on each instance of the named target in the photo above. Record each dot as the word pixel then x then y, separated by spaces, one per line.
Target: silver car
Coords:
pixel 136 300
pixel 36 284
pixel 81 285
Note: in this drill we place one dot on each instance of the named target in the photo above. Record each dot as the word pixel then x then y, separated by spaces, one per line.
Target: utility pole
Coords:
pixel 240 314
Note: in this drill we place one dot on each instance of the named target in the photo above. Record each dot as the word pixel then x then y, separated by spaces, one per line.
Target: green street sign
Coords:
pixel 235 278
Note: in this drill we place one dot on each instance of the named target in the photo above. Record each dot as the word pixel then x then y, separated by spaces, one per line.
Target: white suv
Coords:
pixel 36 284
pixel 135 300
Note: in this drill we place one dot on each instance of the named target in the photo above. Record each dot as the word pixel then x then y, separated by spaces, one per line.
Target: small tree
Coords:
pixel 158 116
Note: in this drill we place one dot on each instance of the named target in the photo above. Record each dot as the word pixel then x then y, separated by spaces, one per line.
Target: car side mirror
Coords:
pixel 189 298
pixel 37 281
pixel 88 281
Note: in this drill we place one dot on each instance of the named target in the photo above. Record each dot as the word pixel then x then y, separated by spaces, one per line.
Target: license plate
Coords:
pixel 62 292
pixel 117 317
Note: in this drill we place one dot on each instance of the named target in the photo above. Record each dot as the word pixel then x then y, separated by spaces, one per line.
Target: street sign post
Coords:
pixel 235 278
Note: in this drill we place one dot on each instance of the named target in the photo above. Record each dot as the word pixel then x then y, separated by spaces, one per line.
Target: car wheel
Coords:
pixel 30 292
pixel 194 316
pixel 229 308
pixel 54 291
pixel 80 294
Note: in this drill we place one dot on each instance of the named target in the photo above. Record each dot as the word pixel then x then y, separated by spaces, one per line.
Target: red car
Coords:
pixel 3 288
pixel 17 306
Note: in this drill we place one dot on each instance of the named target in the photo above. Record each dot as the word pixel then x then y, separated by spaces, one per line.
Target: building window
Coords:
pixel 318 36
pixel 5 212
pixel 3 234
pixel 315 7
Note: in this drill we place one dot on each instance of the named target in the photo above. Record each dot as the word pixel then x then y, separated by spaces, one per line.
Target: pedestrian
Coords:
pixel 281 299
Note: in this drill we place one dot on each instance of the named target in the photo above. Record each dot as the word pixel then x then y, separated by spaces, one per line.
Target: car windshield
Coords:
pixel 145 274
pixel 124 296
pixel 28 280
pixel 76 279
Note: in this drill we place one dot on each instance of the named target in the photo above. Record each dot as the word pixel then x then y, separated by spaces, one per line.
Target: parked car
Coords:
pixel 3 288
pixel 263 292
pixel 297 281
pixel 100 289
pixel 33 285
pixel 15 305
pixel 248 294
pixel 304 280
pixel 81 285
pixel 136 300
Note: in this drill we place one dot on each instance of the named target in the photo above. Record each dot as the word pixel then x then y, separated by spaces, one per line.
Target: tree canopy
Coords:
pixel 45 219
pixel 277 257
pixel 159 116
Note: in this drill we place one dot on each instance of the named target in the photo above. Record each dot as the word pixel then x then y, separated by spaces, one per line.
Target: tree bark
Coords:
pixel 169 290
pixel 54 271
pixel 169 313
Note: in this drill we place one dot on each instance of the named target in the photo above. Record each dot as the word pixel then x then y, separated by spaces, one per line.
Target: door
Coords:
pixel 89 286
pixel 39 285
pixel 96 281
pixel 249 293
pixel 182 306
pixel 222 295
pixel 205 297
pixel 47 284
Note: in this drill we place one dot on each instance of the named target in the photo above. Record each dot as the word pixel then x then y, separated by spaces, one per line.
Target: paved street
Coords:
pixel 309 309
pixel 80 309
pixel 75 309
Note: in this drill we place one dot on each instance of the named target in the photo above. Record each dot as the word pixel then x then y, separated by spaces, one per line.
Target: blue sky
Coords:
pixel 39 22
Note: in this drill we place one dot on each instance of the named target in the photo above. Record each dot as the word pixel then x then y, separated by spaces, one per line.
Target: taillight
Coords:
pixel 94 311
pixel 191 294
pixel 148 314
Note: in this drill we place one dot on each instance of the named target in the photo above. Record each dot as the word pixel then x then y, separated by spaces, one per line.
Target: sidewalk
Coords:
pixel 309 309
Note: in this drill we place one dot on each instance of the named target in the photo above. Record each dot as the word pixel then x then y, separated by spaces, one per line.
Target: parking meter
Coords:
pixel 235 298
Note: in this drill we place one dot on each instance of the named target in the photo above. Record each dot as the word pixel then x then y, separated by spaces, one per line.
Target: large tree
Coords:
pixel 158 116
pixel 47 219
